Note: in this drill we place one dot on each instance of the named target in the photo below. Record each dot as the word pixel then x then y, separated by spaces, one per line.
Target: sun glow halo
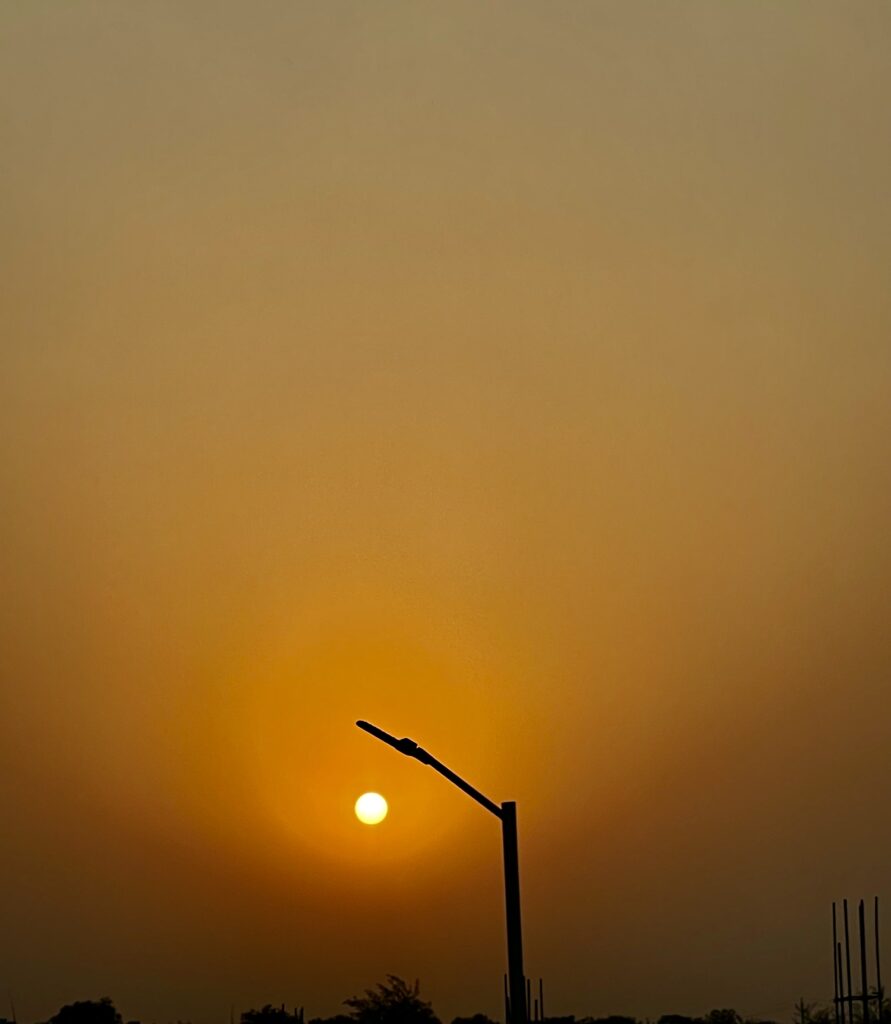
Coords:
pixel 371 808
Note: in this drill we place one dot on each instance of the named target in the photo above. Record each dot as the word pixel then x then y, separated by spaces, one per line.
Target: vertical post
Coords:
pixel 864 984
pixel 841 987
pixel 516 979
pixel 879 990
pixel 834 962
pixel 541 988
pixel 848 963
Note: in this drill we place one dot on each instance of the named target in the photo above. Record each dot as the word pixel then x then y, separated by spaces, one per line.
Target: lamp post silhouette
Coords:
pixel 517 1011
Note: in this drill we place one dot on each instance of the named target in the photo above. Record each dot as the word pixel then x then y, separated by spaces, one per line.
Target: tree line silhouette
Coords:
pixel 394 1001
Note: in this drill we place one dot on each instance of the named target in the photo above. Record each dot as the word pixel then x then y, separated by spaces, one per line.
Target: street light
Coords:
pixel 507 814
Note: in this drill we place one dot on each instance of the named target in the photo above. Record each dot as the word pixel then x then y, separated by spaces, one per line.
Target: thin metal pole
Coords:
pixel 879 990
pixel 864 983
pixel 834 962
pixel 516 978
pixel 541 995
pixel 841 985
pixel 848 960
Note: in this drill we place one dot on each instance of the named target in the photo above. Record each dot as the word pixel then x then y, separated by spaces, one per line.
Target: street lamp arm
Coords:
pixel 461 784
pixel 411 749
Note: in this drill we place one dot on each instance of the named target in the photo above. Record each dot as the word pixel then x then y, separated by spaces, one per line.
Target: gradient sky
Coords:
pixel 514 375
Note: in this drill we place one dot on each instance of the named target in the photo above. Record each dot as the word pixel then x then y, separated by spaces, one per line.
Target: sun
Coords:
pixel 371 808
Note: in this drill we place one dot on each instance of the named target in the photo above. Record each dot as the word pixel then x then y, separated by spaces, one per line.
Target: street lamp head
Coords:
pixel 404 746
pixel 379 734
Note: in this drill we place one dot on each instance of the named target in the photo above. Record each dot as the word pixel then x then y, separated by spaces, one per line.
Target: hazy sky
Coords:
pixel 514 375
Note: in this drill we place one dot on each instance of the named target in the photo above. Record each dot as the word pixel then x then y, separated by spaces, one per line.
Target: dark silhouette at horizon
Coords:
pixel 395 1001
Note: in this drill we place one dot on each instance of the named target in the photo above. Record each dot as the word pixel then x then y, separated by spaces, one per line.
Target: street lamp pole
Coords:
pixel 507 814
pixel 518 1011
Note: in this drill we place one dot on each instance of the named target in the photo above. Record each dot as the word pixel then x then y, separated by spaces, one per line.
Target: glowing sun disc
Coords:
pixel 371 808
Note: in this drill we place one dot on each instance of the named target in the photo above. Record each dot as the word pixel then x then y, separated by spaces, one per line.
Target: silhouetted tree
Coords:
pixel 270 1014
pixel 477 1018
pixel 722 1017
pixel 89 1011
pixel 392 1002
pixel 804 1012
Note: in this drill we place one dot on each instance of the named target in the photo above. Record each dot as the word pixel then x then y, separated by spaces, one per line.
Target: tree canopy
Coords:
pixel 89 1011
pixel 392 1002
pixel 270 1014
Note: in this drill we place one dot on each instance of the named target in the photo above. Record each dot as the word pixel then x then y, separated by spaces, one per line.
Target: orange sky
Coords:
pixel 513 375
